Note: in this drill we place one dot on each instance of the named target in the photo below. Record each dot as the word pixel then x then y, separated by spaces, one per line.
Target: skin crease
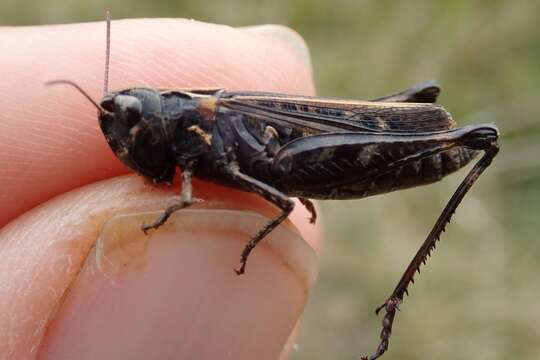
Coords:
pixel 51 148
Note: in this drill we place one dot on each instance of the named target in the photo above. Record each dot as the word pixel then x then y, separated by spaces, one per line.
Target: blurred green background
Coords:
pixel 478 296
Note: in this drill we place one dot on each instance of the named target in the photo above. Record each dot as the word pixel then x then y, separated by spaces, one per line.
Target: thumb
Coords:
pixel 172 294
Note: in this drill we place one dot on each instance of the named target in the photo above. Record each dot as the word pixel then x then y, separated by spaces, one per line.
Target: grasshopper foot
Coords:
pixel 156 224
pixel 390 306
pixel 242 269
pixel 165 215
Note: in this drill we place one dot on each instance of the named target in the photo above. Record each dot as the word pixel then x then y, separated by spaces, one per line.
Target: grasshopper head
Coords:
pixel 133 127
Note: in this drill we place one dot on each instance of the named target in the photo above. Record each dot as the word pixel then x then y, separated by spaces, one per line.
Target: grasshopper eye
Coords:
pixel 107 104
pixel 128 109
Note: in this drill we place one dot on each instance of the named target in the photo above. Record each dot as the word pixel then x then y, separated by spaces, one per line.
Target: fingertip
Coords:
pixel 52 266
pixel 180 279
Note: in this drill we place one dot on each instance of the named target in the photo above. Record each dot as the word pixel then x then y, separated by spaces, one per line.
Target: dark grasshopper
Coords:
pixel 282 146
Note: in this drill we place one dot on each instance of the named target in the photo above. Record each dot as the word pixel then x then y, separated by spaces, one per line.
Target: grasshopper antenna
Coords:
pixel 106 77
pixel 84 93
pixel 107 53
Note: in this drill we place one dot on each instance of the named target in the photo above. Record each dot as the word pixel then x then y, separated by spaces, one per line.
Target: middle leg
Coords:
pixel 269 193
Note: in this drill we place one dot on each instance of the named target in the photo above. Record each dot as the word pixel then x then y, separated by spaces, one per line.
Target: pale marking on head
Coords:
pixel 122 153
pixel 134 131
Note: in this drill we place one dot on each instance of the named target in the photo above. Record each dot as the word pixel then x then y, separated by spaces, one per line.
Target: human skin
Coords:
pixel 78 278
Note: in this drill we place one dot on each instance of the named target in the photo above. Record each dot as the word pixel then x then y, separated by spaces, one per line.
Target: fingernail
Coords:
pixel 174 294
pixel 287 36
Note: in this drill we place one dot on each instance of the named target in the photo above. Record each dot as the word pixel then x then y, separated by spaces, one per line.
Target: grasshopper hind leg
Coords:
pixel 483 139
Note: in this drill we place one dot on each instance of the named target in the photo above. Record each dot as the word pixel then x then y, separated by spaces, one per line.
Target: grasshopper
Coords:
pixel 282 146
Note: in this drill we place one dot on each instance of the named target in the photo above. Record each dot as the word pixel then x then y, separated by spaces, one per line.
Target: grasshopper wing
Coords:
pixel 311 116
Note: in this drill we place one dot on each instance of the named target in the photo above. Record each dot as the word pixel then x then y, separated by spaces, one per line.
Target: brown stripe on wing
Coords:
pixel 319 115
